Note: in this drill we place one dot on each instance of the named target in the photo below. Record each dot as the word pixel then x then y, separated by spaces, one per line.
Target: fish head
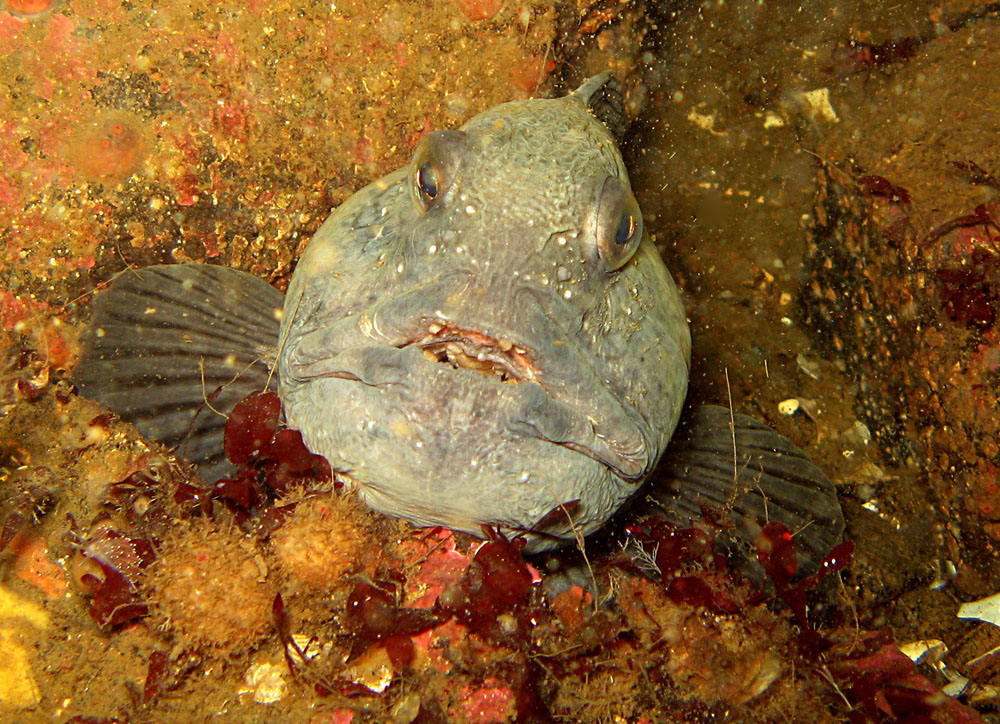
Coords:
pixel 487 337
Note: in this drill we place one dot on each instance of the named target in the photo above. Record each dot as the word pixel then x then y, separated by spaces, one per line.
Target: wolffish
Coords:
pixel 480 338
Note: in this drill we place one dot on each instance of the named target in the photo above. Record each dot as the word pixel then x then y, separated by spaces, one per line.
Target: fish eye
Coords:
pixel 626 229
pixel 428 181
pixel 434 165
pixel 619 224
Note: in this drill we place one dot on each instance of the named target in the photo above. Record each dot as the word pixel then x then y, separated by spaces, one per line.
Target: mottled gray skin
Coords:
pixel 508 250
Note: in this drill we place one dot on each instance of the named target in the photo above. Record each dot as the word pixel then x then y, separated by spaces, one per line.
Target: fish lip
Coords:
pixel 533 408
pixel 379 346
pixel 470 348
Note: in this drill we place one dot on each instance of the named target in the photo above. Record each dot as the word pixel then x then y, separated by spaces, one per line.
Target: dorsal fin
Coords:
pixel 604 97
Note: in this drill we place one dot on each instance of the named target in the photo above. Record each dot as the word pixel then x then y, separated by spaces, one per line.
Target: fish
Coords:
pixel 486 337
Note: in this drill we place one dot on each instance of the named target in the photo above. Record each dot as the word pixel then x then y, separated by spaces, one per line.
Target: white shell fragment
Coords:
pixel 372 669
pixel 925 650
pixel 789 406
pixel 814 104
pixel 985 609
pixel 931 652
pixel 773 120
pixel 266 681
pixel 808 365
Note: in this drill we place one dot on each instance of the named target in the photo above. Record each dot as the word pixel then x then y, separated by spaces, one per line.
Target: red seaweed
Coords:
pixel 251 426
pixel 862 57
pixel 531 706
pixel 373 614
pixel 967 298
pixel 271 460
pixel 982 216
pixel 156 675
pixel 497 582
pixel 884 685
pixel 114 597
pixel 776 552
pixel 881 186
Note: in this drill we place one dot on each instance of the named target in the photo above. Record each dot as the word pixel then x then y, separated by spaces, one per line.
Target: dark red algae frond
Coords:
pixel 968 297
pixel 879 681
pixel 270 461
pixel 883 685
pixel 253 440
pixel 251 427
pixel 374 614
pixel 497 583
pixel 156 675
pixel 881 186
pixel 681 556
pixel 112 557
pixel 777 553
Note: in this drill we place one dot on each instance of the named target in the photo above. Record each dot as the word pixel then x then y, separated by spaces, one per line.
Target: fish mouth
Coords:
pixel 494 357
pixel 544 390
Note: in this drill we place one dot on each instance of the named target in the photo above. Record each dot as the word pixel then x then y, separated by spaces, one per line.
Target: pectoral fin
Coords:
pixel 171 349
pixel 768 479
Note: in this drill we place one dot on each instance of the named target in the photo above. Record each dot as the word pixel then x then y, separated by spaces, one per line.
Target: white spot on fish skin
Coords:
pixel 278 313
pixel 459 249
pixel 440 315
pixel 474 463
pixel 432 249
pixel 399 268
pixel 568 294
pixel 367 326
pixel 229 360
pixel 418 444
pixel 561 240
pixel 149 310
pixel 523 477
pixel 470 209
pixel 628 311
pixel 562 274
